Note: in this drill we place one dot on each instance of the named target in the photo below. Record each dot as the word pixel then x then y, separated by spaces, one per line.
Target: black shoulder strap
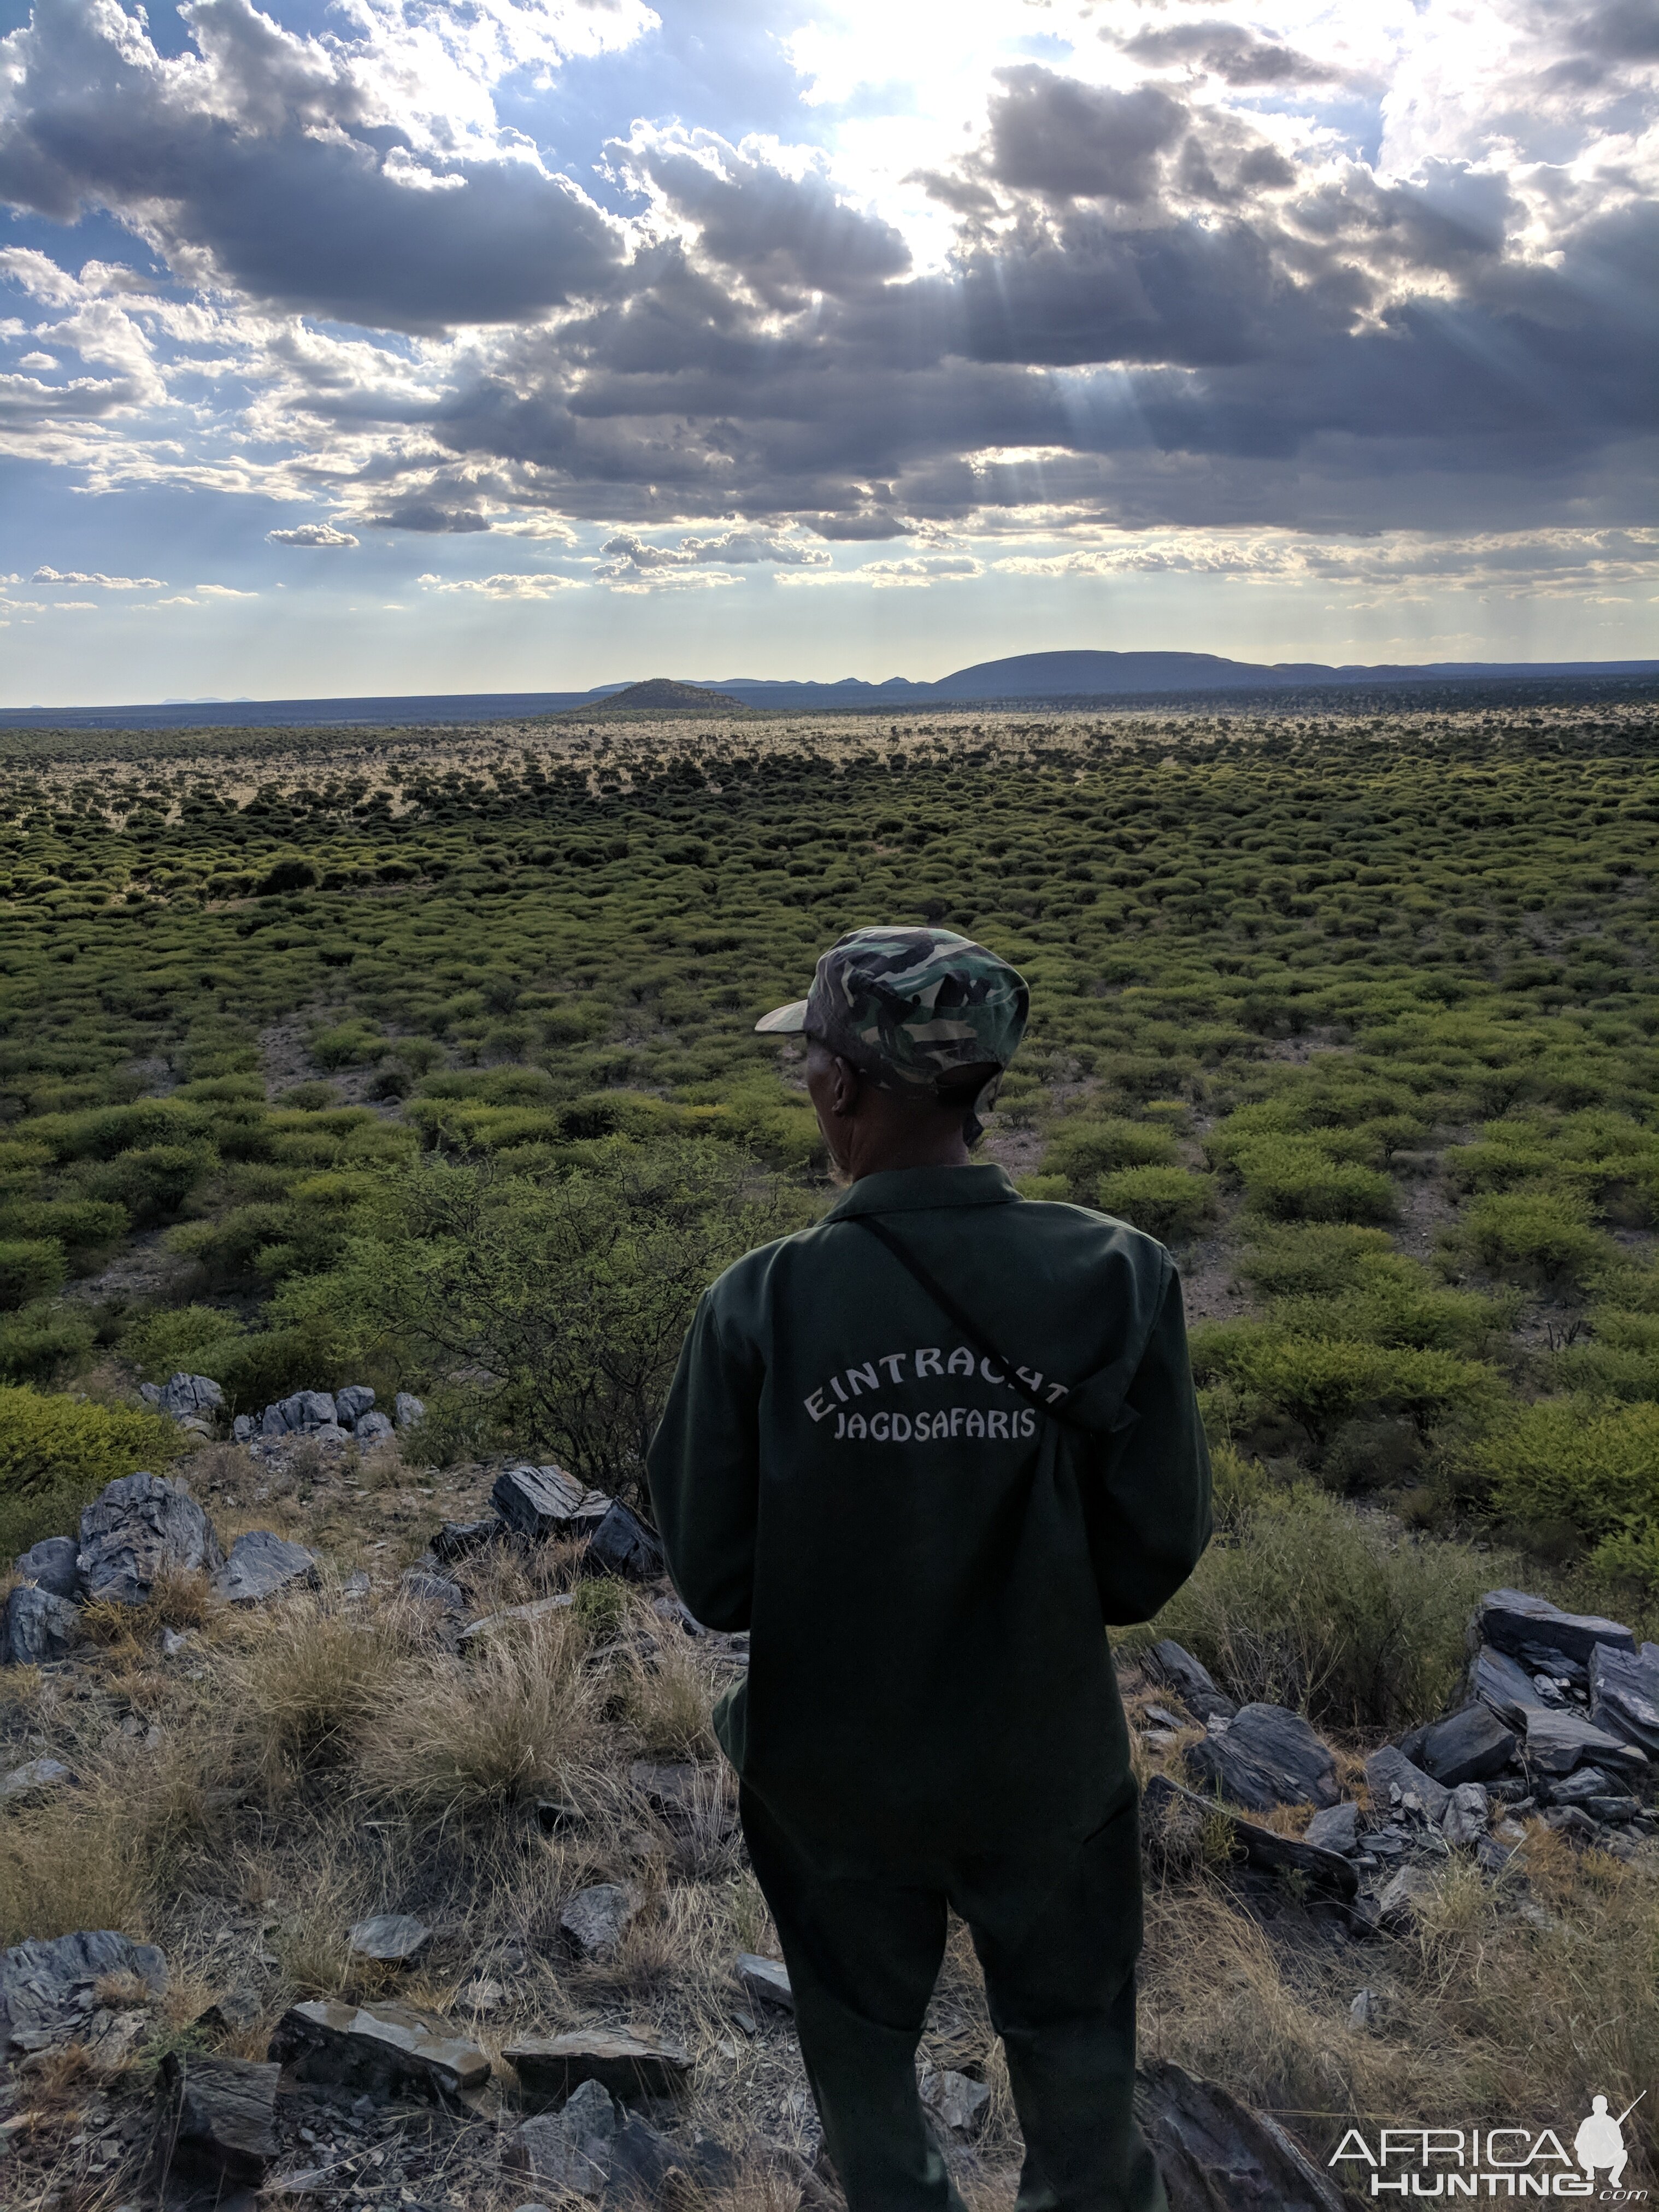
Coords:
pixel 948 1306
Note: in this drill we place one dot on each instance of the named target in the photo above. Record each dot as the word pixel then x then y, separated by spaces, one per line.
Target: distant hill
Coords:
pixel 658 692
pixel 1081 678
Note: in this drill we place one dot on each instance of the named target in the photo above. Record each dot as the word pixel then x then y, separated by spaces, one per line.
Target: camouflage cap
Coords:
pixel 911 1007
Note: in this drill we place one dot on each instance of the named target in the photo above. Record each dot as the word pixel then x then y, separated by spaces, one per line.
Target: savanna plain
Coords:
pixel 423 1060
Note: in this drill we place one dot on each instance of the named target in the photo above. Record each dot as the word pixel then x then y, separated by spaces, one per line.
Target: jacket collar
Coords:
pixel 918 1190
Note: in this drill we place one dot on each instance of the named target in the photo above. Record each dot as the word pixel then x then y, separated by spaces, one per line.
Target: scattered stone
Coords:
pixel 1617 1810
pixel 767 1979
pixel 393 1938
pixel 955 2100
pixel 46 1988
pixel 352 1403
pixel 1470 1747
pixel 481 1996
pixel 1399 1905
pixel 668 1789
pixel 1166 1806
pixel 1334 1829
pixel 371 1428
pixel 1161 1718
pixel 39 1778
pixel 623 1544
pixel 39 1627
pixel 1494 1853
pixel 544 1502
pixel 458 1540
pixel 1217 2155
pixel 407 1409
pixel 1465 1817
pixel 357 1585
pixel 1623 1692
pixel 138 1527
pixel 648 2168
pixel 1394 1781
pixel 1504 1684
pixel 219 2118
pixel 1168 1663
pixel 150 1393
pixel 539 1609
pixel 262 1565
pixel 1573 1822
pixel 1266 1756
pixel 382 2049
pixel 52 1564
pixel 1511 1621
pixel 570 2149
pixel 175 1640
pixel 626 2065
pixel 1557 1742
pixel 1362 2012
pixel 191 1397
pixel 1582 1784
pixel 433 1589
pixel 243 1429
pixel 597 1919
pixel 299 1415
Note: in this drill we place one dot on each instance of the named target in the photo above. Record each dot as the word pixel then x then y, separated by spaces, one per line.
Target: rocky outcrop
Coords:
pixel 53 1563
pixel 1167 1663
pixel 550 2069
pixel 1217 2155
pixel 191 1397
pixel 1176 1821
pixel 39 1627
pixel 544 1502
pixel 1623 1694
pixel 1532 1630
pixel 138 1527
pixel 263 1566
pixel 1265 1756
pixel 1471 1746
pixel 48 1991
pixel 384 2049
pixel 218 2118
pixel 623 1544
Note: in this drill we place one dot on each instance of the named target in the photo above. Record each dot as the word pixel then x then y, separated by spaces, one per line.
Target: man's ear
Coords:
pixel 849 1083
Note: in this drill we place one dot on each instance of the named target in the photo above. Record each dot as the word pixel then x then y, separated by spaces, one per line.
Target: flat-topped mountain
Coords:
pixel 660 691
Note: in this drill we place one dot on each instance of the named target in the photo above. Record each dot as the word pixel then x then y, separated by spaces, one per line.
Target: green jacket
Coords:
pixel 925 1561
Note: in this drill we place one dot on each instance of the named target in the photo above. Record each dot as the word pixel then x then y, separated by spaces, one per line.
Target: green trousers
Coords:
pixel 1057 1932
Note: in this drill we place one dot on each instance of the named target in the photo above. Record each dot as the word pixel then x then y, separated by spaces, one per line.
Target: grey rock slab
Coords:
pixel 1618 1809
pixel 1471 1746
pixel 645 2164
pixel 956 2101
pixel 1217 2155
pixel 668 1787
pixel 1467 1816
pixel 219 2116
pixel 1401 1901
pixel 351 1403
pixel 1582 1783
pixel 622 1544
pixel 458 1540
pixel 1266 1756
pixel 597 1918
pixel 1512 1621
pixel 541 1609
pixel 46 1987
pixel 1557 1742
pixel 1395 1784
pixel 1334 1829
pixel 262 1565
pixel 433 1589
pixel 37 1778
pixel 243 1429
pixel 299 1414
pixel 569 2149
pixel 394 1938
pixel 39 1627
pixel 550 2068
pixel 384 2049
pixel 544 1502
pixel 1169 1662
pixel 150 1393
pixel 1167 1808
pixel 371 1428
pixel 767 1979
pixel 52 1564
pixel 186 1396
pixel 1623 1689
pixel 1504 1684
pixel 138 1527
pixel 407 1409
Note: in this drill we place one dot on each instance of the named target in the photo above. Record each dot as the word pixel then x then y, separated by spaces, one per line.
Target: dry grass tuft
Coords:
pixel 304 1684
pixel 177 1600
pixel 72 1863
pixel 666 1690
pixel 471 1736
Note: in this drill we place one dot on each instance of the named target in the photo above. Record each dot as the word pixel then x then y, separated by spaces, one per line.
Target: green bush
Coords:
pixel 152 1184
pixel 1317 1381
pixel 1169 1203
pixel 38 1340
pixel 1312 1257
pixel 1532 1235
pixel 1312 1604
pixel 56 1454
pixel 1580 1461
pixel 80 1224
pixel 30 1268
pixel 1083 1150
pixel 180 1339
pixel 1295 1179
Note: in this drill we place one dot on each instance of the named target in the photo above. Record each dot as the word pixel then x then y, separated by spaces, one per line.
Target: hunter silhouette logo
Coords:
pixel 1600 2140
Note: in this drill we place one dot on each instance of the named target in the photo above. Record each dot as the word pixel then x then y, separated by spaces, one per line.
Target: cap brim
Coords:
pixel 783 1021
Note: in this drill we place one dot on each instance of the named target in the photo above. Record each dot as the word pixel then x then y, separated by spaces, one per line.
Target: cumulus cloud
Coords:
pixel 510 586
pixel 428 517
pixel 311 533
pixel 629 560
pixel 83 577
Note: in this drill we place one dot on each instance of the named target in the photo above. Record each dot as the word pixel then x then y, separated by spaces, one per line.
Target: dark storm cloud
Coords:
pixel 1049 134
pixel 785 235
pixel 1231 52
pixel 426 515
pixel 262 166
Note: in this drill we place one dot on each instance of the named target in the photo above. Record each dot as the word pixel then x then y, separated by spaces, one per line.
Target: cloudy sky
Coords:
pixel 399 345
